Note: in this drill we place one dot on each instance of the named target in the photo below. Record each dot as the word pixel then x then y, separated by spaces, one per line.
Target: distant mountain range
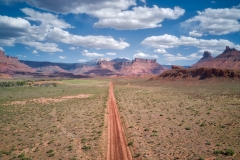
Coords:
pixel 98 67
pixel 230 58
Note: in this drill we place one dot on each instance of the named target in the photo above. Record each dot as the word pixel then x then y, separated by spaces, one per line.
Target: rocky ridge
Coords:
pixel 11 65
pixel 230 58
pixel 198 73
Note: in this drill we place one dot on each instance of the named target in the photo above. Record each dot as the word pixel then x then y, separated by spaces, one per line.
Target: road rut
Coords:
pixel 117 145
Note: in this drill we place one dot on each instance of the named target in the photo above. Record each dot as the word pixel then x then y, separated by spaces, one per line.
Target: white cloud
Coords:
pixel 113 14
pixel 237 7
pixel 35 52
pixel 62 57
pixel 111 54
pixel 143 55
pixel 98 42
pixel 93 54
pixel 45 18
pixel 44 47
pixel 18 30
pixel 72 48
pixel 82 6
pixel 137 18
pixel 169 41
pixel 171 57
pixel 7 42
pixel 1 49
pixel 195 34
pixel 13 27
pixel 215 21
pixel 82 60
pixel 160 51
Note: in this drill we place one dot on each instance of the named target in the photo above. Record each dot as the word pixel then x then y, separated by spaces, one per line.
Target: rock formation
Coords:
pixel 177 67
pixel 230 58
pixel 11 65
pixel 136 67
pixel 118 66
pixel 198 73
pixel 143 66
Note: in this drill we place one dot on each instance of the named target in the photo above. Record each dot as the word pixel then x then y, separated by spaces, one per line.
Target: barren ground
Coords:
pixel 173 120
pixel 180 120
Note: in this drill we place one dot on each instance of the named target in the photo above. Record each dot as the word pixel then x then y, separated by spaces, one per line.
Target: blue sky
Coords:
pixel 171 31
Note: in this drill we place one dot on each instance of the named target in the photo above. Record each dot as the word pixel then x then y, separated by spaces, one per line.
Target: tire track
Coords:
pixel 117 146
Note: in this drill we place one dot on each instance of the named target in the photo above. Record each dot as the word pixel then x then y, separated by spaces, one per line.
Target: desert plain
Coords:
pixel 67 119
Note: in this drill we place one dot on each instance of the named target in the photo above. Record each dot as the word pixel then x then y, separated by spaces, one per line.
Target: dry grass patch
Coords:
pixel 49 100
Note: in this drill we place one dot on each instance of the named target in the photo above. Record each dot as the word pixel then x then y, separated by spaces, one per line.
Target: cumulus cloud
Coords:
pixel 1 49
pixel 18 30
pixel 62 57
pixel 72 48
pixel 44 47
pixel 215 21
pixel 13 27
pixel 98 42
pixel 195 34
pixel 160 50
pixel 237 7
pixel 171 57
pixel 7 42
pixel 35 52
pixel 111 54
pixel 112 14
pixel 91 54
pixel 82 6
pixel 45 18
pixel 143 55
pixel 169 41
pixel 137 18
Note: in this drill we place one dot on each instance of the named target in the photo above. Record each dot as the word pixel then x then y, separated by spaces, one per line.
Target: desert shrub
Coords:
pixel 130 143
pixel 229 152
pixel 12 84
pixel 137 155
pixel 49 151
pixel 217 152
pixel 22 155
pixel 86 148
pixel 188 128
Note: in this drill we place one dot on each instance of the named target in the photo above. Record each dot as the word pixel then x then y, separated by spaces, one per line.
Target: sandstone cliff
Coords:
pixel 11 65
pixel 230 58
pixel 198 73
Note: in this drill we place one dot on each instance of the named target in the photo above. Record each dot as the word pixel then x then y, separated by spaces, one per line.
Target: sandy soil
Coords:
pixel 49 100
pixel 117 146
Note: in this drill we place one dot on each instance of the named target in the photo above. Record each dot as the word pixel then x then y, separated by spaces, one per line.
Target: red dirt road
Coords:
pixel 117 146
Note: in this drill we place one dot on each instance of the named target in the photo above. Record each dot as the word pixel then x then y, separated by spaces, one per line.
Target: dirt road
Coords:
pixel 117 146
